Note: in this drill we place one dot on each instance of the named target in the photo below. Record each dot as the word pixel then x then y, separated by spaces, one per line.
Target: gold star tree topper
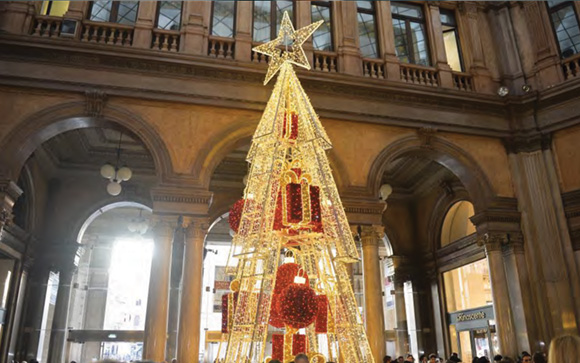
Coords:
pixel 287 47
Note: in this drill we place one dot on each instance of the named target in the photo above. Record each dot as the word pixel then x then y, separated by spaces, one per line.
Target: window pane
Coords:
pixel 401 46
pixel 368 5
pixel 406 10
pixel 567 31
pixel 262 19
pixel 367 35
pixel 468 287
pixel 169 15
pixel 452 50
pixel 54 8
pixel 127 12
pixel 420 46
pixel 223 18
pixel 101 10
pixel 281 7
pixel 322 38
pixel 447 17
pixel 555 2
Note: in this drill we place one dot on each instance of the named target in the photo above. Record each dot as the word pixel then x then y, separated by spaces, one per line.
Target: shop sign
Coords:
pixel 461 317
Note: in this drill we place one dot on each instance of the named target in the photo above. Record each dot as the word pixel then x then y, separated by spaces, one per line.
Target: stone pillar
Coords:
pixel 194 32
pixel 438 45
pixel 143 33
pixel 15 18
pixel 493 243
pixel 547 59
pixel 175 294
pixel 244 21
pixel 550 255
pixel 402 338
pixel 158 297
pixel 481 75
pixel 303 11
pixel 374 315
pixel 189 322
pixel 77 10
pixel 66 270
pixel 386 40
pixel 350 61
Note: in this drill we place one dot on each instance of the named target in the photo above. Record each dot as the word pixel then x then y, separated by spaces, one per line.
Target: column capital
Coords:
pixel 9 193
pixel 371 235
pixel 493 241
pixel 163 226
pixel 195 228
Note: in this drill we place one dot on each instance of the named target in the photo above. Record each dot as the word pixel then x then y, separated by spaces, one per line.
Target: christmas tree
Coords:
pixel 292 241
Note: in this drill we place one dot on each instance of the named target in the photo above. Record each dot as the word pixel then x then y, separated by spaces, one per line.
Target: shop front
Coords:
pixel 472 333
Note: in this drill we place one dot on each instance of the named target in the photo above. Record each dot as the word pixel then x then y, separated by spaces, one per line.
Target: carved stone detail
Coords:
pixel 371 235
pixel 426 134
pixel 95 102
pixel 529 143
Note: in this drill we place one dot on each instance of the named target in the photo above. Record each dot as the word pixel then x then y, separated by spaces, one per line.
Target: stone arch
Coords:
pixel 104 206
pixel 437 149
pixel 31 132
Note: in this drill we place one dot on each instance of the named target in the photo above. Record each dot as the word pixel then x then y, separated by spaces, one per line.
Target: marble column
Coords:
pixel 402 331
pixel 143 33
pixel 35 297
pixel 190 315
pixel 374 314
pixel 438 45
pixel 244 21
pixel 59 329
pixel 175 293
pixel 550 256
pixel 158 297
pixel 504 323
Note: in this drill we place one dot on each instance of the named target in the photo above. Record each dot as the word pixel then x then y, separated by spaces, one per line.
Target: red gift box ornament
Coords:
pixel 278 347
pixel 229 304
pixel 284 277
pixel 321 324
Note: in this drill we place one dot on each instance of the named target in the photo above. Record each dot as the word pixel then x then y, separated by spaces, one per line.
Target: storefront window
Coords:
pixel 468 287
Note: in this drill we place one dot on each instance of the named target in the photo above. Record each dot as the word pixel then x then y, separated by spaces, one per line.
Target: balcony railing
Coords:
pixel 258 57
pixel 219 47
pixel 571 67
pixel 165 40
pixel 107 33
pixel 325 61
pixel 463 81
pixel 374 68
pixel 47 26
pixel 415 74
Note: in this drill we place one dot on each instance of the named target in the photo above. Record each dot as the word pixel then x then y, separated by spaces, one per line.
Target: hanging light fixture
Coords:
pixel 116 174
pixel 138 225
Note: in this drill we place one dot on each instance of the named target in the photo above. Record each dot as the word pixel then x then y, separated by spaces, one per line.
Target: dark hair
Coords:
pixel 526 354
pixel 301 356
pixel 539 358
pixel 432 355
pixel 421 357
pixel 497 358
pixel 387 359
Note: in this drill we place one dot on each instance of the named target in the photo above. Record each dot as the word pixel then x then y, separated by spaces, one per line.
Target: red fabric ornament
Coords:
pixel 224 313
pixel 285 276
pixel 294 210
pixel 298 344
pixel 229 303
pixel 297 305
pixel 275 317
pixel 321 325
pixel 236 214
pixel 290 130
pixel 278 347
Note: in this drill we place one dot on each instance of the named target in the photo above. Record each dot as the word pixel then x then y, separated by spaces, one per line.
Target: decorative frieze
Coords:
pixel 95 102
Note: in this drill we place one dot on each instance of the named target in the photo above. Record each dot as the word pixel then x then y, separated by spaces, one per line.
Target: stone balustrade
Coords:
pixel 258 57
pixel 166 40
pixel 373 68
pixel 47 26
pixel 325 61
pixel 414 74
pixel 463 81
pixel 222 48
pixel 107 33
pixel 571 67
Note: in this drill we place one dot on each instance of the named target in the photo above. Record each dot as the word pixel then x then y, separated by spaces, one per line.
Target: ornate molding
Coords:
pixel 95 102
pixel 371 235
pixel 526 144
pixel 426 135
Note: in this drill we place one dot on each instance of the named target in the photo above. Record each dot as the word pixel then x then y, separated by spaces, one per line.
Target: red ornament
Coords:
pixel 321 325
pixel 297 305
pixel 298 344
pixel 290 207
pixel 229 303
pixel 285 276
pixel 278 347
pixel 236 214
pixel 290 130
pixel 275 318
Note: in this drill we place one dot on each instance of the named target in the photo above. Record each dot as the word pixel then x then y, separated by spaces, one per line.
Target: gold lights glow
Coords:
pixel 257 249
pixel 287 47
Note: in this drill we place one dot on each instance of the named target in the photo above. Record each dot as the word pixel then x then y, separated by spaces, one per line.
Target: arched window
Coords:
pixel 411 42
pixel 457 224
pixel 267 14
pixel 565 24
pixel 169 15
pixel 322 37
pixel 122 12
pixel 367 29
pixel 223 18
pixel 54 8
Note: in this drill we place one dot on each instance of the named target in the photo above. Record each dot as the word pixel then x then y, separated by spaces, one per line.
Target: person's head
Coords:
pixel 483 360
pixel 564 349
pixel 410 358
pixel 400 359
pixel 301 358
pixel 526 357
pixel 387 359
pixel 506 360
pixel 422 358
pixel 497 358
pixel 174 360
pixel 539 358
pixel 432 358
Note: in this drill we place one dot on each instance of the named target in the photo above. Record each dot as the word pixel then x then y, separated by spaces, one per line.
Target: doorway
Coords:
pixel 473 333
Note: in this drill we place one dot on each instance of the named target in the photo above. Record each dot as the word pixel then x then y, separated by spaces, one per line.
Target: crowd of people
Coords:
pixel 564 349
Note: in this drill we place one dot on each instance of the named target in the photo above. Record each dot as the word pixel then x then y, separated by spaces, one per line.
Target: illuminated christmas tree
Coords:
pixel 291 208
